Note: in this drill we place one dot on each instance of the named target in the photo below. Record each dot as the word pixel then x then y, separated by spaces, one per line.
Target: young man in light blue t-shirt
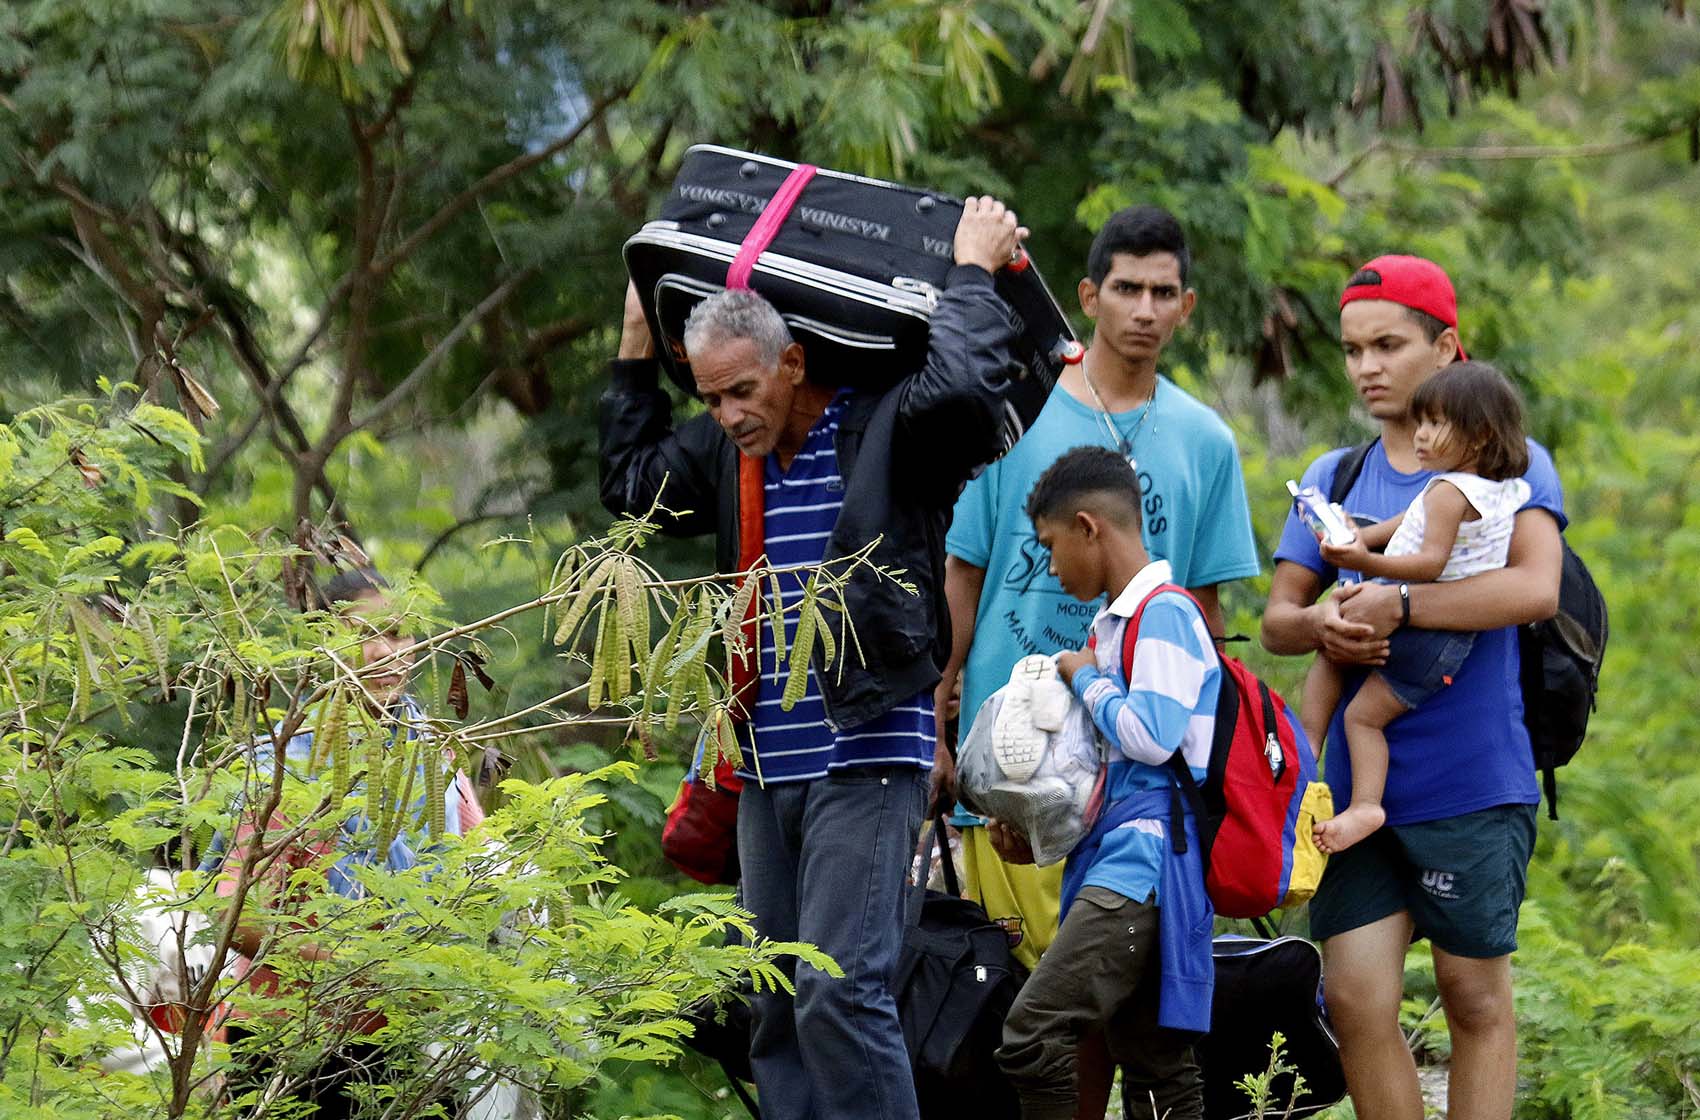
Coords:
pixel 1004 603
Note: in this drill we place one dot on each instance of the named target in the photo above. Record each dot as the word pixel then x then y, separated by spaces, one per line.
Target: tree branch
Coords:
pixel 432 225
pixel 234 444
pixel 1357 161
pixel 402 95
pixel 362 283
pixel 431 361
pixel 552 336
pixel 492 179
pixel 1512 151
pixel 86 216
pixel 233 328
pixel 454 530
pixel 1495 152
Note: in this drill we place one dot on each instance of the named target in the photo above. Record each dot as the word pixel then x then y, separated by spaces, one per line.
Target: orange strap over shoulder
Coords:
pixel 752 541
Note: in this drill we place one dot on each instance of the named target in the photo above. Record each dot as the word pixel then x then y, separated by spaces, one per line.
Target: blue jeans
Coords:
pixel 825 861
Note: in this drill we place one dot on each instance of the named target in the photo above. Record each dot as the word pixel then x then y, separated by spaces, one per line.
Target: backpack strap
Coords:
pixel 1131 634
pixel 738 1089
pixel 1185 786
pixel 941 836
pixel 1347 470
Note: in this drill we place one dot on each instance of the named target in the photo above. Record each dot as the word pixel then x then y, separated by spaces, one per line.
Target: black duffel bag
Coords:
pixel 955 982
pixel 1263 986
pixel 855 270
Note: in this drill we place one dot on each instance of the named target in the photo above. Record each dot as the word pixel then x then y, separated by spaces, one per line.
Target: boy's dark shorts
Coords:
pixel 1461 879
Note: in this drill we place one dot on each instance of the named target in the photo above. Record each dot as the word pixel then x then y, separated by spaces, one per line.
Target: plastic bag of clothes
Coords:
pixel 1033 760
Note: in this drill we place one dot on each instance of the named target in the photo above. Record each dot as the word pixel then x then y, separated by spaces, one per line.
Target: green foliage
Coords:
pixel 512 953
pixel 207 195
pixel 1264 1089
pixel 1606 1034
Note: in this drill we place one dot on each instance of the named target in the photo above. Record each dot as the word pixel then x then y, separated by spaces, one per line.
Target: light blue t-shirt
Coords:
pixel 1465 748
pixel 1196 518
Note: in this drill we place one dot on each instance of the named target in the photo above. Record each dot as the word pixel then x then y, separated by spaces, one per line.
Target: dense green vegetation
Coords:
pixel 375 256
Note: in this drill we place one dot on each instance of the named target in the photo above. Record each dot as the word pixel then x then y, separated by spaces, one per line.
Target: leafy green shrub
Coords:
pixel 509 954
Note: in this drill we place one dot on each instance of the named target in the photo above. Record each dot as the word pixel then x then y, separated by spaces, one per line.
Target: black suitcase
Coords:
pixel 856 271
pixel 1262 987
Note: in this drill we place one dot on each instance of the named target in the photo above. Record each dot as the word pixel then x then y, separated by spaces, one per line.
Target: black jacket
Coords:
pixel 903 452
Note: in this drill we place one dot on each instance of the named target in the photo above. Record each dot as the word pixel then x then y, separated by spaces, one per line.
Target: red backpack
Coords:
pixel 700 836
pixel 1260 797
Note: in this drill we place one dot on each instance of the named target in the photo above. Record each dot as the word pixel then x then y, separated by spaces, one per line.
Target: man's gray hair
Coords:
pixel 737 313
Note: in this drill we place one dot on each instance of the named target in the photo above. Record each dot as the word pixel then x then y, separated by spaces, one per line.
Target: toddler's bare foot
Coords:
pixel 1357 822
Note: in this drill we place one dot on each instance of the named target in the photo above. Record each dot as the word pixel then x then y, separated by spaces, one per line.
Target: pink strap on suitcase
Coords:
pixel 773 216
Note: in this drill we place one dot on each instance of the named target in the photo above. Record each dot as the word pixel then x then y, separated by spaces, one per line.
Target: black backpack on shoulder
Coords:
pixel 1561 656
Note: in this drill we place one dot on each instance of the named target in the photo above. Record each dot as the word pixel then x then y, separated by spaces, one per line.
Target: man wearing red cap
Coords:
pixel 1451 862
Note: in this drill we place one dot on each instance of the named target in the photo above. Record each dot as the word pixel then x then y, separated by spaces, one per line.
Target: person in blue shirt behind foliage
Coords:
pixel 1451 862
pixel 1132 957
pixel 326 1089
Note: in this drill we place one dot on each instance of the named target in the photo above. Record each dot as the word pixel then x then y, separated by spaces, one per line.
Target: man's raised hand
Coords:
pixel 988 234
pixel 635 339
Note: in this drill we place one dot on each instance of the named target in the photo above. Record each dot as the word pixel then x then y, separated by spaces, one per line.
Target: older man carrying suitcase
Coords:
pixel 826 832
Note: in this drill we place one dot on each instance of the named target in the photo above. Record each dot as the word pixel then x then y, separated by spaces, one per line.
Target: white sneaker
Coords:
pixel 1018 740
pixel 1051 698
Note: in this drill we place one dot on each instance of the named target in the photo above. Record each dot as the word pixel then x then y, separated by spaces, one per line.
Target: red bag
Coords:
pixel 700 837
pixel 1260 796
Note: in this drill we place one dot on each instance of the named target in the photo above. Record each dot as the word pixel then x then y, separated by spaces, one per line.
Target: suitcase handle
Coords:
pixel 773 216
pixel 1068 351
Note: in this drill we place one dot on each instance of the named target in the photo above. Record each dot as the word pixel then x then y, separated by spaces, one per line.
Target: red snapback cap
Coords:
pixel 1413 282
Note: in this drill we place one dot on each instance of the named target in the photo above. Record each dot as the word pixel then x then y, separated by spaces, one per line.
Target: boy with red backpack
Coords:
pixel 1132 956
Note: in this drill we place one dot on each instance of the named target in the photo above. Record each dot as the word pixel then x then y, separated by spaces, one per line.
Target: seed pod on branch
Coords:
pixel 777 621
pixel 721 744
pixel 633 600
pixel 330 726
pixel 581 601
pixel 457 697
pixel 155 646
pixel 435 789
pixel 802 649
pixel 599 668
pixel 733 634
pixel 475 661
pixel 654 672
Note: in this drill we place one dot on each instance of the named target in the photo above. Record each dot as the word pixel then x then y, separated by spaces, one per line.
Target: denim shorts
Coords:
pixel 1422 662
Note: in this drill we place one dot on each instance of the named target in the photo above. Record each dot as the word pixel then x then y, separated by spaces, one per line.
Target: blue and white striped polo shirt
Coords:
pixel 1166 704
pixel 801 507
